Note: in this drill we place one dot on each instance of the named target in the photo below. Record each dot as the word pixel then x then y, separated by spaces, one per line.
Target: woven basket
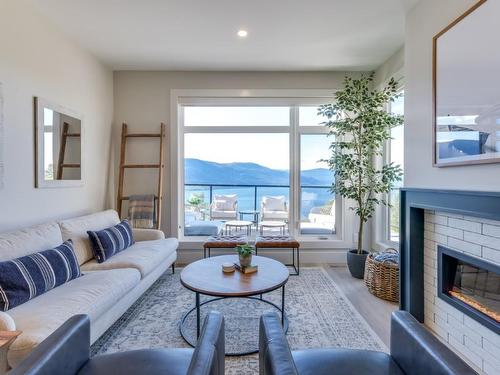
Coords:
pixel 382 278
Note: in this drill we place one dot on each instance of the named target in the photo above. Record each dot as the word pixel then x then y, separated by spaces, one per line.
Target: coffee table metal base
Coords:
pixel 197 308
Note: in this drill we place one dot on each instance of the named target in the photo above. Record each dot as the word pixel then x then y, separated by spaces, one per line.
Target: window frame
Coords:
pixel 293 98
pixel 388 159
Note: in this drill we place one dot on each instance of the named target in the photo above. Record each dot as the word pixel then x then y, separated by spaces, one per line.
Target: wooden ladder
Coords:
pixel 123 166
pixel 62 151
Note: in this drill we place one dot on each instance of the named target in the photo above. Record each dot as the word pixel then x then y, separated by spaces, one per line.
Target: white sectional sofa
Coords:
pixel 104 292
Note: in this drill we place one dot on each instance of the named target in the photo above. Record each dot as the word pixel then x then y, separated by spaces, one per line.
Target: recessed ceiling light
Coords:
pixel 242 33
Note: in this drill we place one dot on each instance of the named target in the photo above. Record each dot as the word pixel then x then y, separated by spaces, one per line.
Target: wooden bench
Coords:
pixel 222 242
pixel 280 242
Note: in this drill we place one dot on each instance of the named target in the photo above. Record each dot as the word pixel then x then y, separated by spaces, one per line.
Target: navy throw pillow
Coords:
pixel 108 242
pixel 24 278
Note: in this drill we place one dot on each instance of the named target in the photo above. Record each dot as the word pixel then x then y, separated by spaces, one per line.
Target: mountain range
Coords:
pixel 206 172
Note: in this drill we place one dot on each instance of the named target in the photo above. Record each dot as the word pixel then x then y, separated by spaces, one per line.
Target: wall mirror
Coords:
pixel 466 88
pixel 59 146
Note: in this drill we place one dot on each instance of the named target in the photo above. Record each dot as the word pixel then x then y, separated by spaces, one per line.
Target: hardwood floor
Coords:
pixel 376 311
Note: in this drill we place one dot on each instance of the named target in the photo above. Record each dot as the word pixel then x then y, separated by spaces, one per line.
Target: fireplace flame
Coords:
pixel 478 306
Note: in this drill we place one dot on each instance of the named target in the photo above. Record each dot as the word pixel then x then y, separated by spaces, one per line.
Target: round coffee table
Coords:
pixel 273 224
pixel 254 213
pixel 205 277
pixel 238 224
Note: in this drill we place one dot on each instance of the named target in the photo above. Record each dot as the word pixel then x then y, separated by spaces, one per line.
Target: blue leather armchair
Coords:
pixel 67 352
pixel 414 351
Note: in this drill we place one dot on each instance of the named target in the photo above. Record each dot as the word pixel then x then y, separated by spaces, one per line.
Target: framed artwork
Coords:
pixel 466 89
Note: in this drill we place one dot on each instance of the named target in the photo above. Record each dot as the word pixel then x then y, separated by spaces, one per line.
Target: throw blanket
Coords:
pixel 142 211
pixel 389 257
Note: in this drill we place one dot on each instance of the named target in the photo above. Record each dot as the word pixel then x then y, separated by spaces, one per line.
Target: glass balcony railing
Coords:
pixel 317 206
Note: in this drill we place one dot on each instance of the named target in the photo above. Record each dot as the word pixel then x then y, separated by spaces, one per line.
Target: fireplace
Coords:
pixel 470 284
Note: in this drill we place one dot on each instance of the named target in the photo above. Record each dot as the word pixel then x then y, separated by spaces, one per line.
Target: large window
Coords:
pixel 317 202
pixel 257 162
pixel 396 155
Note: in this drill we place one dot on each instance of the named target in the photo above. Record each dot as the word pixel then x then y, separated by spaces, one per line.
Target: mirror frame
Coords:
pixel 435 161
pixel 38 105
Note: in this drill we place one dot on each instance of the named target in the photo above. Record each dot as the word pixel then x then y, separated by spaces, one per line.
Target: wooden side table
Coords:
pixel 6 340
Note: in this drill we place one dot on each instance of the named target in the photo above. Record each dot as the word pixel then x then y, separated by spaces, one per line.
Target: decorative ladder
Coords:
pixel 62 151
pixel 123 166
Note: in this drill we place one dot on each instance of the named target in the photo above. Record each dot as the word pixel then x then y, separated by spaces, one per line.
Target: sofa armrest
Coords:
pixel 147 234
pixel 64 352
pixel 6 322
pixel 275 357
pixel 208 357
pixel 418 351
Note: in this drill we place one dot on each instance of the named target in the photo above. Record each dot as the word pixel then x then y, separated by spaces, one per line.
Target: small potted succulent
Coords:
pixel 245 252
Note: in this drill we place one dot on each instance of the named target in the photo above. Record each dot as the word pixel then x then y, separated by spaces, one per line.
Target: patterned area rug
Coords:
pixel 318 312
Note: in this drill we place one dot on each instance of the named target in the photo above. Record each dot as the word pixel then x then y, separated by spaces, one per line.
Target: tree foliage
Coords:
pixel 361 125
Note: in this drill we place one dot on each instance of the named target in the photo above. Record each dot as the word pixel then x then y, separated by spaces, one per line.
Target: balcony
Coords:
pixel 317 209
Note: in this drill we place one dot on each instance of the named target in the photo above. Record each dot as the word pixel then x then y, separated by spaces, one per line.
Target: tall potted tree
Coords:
pixel 361 125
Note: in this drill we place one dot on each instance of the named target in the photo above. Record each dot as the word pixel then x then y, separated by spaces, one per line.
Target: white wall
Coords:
pixel 393 67
pixel 38 60
pixel 142 99
pixel 476 344
pixel 425 20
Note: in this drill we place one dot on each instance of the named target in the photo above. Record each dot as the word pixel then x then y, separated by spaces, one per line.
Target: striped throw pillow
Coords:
pixel 24 278
pixel 108 242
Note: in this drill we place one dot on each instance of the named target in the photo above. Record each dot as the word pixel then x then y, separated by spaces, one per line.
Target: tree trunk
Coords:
pixel 360 235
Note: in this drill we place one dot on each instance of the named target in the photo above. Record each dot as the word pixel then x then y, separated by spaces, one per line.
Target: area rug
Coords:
pixel 319 316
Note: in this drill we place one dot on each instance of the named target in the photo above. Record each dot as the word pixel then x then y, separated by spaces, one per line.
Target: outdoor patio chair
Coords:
pixel 274 208
pixel 323 216
pixel 224 207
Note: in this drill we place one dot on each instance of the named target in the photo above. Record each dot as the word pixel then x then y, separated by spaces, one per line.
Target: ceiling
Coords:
pixel 283 35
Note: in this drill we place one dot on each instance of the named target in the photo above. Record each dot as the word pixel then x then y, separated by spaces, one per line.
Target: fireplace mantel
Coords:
pixel 413 203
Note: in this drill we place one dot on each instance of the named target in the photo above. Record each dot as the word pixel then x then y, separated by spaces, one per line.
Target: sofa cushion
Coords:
pixel 143 256
pixel 29 240
pixel 142 361
pixel 275 215
pixel 274 203
pixel 225 202
pixel 344 362
pixel 203 228
pixel 76 229
pixel 26 277
pixel 110 241
pixel 93 293
pixel 224 214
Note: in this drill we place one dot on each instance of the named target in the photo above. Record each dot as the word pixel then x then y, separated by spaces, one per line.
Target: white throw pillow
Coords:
pixel 275 203
pixel 225 202
pixel 222 205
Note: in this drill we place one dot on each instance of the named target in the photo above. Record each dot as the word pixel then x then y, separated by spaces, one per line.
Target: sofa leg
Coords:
pixel 173 268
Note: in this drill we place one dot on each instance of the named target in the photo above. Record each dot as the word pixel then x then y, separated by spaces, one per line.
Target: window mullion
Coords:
pixel 294 170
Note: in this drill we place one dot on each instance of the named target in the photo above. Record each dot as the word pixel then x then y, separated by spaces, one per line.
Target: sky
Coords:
pixel 268 149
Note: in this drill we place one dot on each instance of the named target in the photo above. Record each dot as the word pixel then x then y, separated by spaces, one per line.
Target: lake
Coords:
pixel 311 197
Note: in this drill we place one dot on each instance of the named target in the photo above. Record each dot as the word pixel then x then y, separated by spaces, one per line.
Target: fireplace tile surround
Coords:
pixel 471 284
pixel 468 222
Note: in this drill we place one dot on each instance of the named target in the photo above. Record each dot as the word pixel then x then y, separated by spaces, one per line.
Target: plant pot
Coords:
pixel 356 263
pixel 245 261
